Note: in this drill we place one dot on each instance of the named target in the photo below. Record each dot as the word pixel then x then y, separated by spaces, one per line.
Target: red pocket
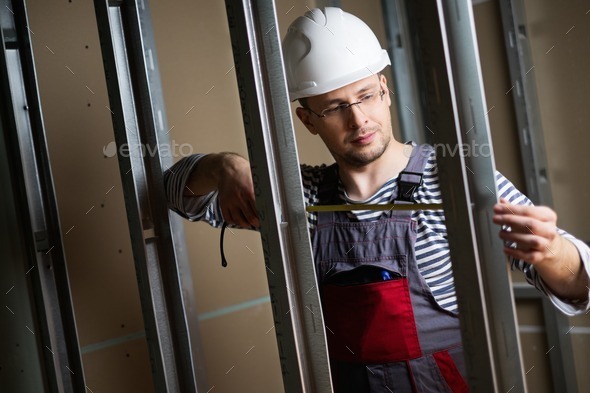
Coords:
pixel 370 323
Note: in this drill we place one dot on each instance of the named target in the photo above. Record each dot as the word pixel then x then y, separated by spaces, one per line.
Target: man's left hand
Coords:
pixel 533 229
pixel 531 235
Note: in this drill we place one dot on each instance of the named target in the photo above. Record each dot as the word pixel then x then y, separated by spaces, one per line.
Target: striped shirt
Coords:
pixel 432 248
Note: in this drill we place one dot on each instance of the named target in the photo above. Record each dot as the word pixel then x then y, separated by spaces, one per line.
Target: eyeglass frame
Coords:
pixel 342 106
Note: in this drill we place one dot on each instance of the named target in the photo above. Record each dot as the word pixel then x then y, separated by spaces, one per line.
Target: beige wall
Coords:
pixel 562 85
pixel 560 37
pixel 195 59
pixel 89 196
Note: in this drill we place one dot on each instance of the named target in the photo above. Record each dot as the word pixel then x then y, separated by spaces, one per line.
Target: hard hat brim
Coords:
pixel 314 90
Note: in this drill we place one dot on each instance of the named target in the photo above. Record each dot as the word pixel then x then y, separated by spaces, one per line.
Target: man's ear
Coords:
pixel 383 82
pixel 305 116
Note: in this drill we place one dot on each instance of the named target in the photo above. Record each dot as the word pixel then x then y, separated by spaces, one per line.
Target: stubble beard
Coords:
pixel 359 159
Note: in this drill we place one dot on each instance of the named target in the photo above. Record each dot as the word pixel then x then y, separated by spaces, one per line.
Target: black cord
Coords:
pixel 223 260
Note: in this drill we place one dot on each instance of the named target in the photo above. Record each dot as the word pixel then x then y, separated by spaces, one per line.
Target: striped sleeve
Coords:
pixel 507 190
pixel 311 177
pixel 193 208
pixel 206 207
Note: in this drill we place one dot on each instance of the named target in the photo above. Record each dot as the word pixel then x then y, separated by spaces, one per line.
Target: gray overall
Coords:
pixel 385 331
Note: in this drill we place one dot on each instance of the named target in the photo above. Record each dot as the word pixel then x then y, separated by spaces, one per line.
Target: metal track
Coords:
pixel 271 145
pixel 456 112
pixel 137 113
pixel 526 106
pixel 45 264
pixel 402 51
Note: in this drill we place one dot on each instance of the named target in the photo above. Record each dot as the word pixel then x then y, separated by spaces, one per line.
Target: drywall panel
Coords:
pixel 121 368
pixel 535 362
pixel 241 348
pixel 559 34
pixel 87 183
pixel 535 349
pixel 534 345
pixel 581 343
pixel 200 91
pixel 530 312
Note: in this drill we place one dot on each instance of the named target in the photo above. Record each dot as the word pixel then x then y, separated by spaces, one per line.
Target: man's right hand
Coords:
pixel 230 175
pixel 236 192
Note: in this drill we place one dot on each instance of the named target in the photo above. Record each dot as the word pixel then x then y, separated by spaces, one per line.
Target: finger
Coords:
pixel 241 219
pixel 247 209
pixel 541 213
pixel 522 222
pixel 231 215
pixel 526 241
pixel 225 214
pixel 230 218
pixel 252 215
pixel 531 257
pixel 527 225
pixel 238 213
pixel 249 217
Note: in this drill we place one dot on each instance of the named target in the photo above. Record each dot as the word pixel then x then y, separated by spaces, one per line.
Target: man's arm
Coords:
pixel 556 259
pixel 229 175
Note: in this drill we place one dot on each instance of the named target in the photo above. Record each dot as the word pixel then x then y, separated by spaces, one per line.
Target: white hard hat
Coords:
pixel 327 49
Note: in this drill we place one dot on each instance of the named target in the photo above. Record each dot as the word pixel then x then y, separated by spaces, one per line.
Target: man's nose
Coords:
pixel 356 116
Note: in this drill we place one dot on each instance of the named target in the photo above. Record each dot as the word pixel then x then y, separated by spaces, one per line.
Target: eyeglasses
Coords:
pixel 368 101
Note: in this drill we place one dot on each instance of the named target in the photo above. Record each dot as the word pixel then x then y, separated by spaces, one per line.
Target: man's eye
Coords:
pixel 335 109
pixel 368 97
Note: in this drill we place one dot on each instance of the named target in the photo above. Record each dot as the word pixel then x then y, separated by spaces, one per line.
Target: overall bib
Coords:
pixel 385 331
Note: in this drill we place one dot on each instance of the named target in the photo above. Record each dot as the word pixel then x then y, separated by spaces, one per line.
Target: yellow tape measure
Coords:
pixel 362 206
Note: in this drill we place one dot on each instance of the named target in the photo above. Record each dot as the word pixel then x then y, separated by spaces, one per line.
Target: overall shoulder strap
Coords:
pixel 328 191
pixel 328 185
pixel 411 177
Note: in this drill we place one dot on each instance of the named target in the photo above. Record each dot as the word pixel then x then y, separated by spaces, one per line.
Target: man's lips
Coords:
pixel 364 139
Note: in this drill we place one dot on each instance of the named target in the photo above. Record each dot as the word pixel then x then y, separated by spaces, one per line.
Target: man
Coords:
pixel 386 280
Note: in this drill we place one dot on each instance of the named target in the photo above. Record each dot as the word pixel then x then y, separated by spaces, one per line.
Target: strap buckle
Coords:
pixel 407 184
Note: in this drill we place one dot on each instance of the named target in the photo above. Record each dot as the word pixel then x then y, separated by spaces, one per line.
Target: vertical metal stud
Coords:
pixel 267 120
pixel 526 107
pixel 137 119
pixel 39 227
pixel 456 112
pixel 398 26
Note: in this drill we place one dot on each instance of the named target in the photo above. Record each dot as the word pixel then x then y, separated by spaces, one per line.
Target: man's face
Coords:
pixel 358 135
